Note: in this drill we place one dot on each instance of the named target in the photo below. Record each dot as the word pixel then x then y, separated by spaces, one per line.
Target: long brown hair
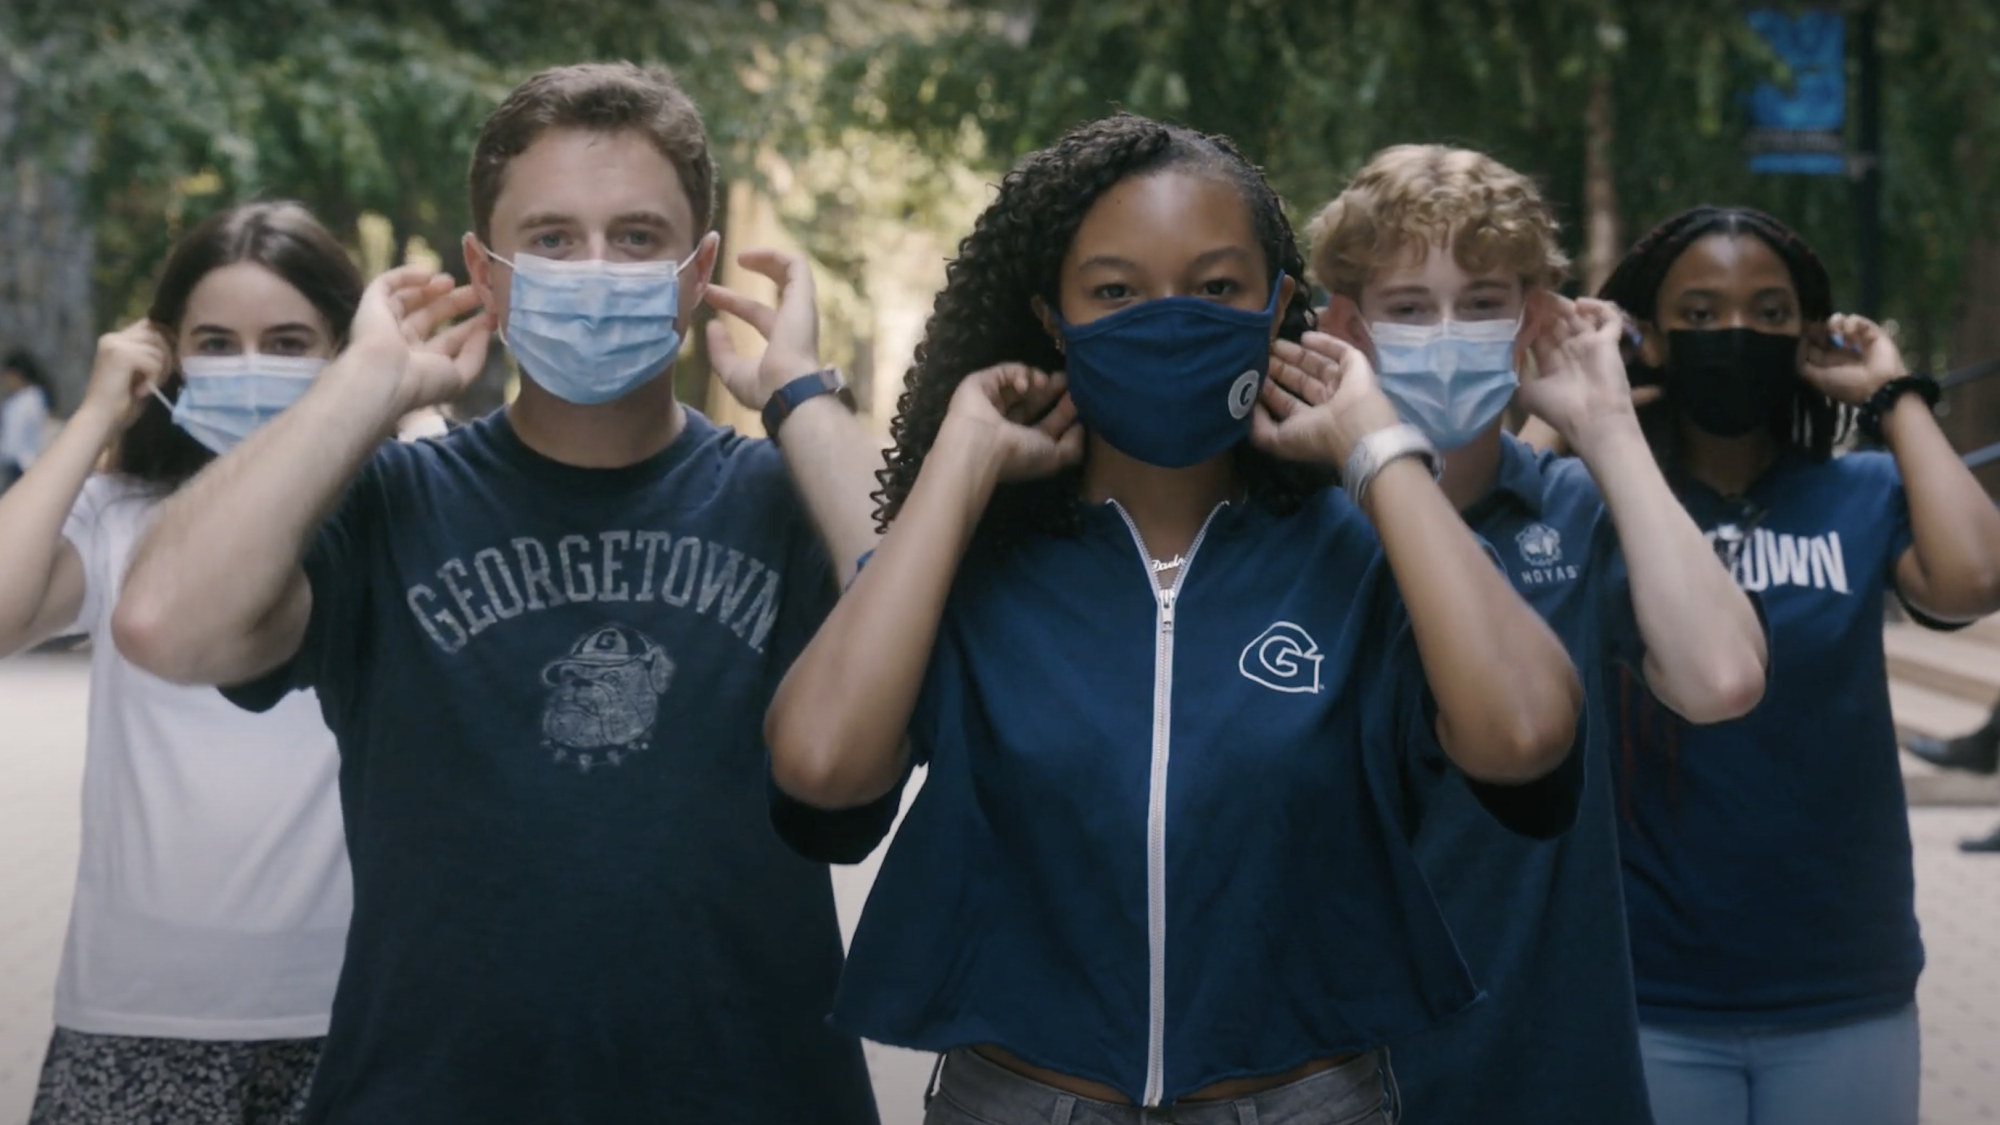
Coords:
pixel 282 237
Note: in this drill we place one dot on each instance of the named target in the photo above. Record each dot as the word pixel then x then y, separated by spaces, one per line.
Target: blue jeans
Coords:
pixel 1857 1072
pixel 973 1091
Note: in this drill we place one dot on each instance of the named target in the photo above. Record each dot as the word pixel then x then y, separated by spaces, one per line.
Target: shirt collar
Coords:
pixel 1519 481
pixel 1693 491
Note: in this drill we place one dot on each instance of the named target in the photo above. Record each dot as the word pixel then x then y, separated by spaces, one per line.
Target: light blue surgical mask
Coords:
pixel 1450 380
pixel 225 398
pixel 593 331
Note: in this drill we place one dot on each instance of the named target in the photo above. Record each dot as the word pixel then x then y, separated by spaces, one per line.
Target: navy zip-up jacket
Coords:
pixel 1165 836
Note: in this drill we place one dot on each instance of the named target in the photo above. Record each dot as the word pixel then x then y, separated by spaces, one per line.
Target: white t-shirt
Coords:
pixel 24 417
pixel 428 422
pixel 212 896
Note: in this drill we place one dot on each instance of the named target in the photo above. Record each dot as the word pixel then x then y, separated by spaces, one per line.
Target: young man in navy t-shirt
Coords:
pixel 1440 261
pixel 546 642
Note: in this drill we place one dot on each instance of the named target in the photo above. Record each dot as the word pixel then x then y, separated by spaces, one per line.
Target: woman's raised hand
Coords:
pixel 1025 416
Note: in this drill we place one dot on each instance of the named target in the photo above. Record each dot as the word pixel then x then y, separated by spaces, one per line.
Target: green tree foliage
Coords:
pixel 1311 87
pixel 862 107
pixel 351 106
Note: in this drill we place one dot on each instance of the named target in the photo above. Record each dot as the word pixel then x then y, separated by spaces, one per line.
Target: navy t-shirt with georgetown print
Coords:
pixel 1541 922
pixel 548 684
pixel 1768 868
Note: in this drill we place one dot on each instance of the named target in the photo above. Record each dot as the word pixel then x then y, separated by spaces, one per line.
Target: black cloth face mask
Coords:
pixel 1729 381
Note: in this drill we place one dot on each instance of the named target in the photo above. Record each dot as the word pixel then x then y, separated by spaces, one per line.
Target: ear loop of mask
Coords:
pixel 174 361
pixel 154 389
pixel 158 393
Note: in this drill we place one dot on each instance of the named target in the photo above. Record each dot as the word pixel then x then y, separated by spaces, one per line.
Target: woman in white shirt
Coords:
pixel 212 895
pixel 24 414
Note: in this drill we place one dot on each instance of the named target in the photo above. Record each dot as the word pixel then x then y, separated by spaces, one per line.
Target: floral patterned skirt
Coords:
pixel 123 1080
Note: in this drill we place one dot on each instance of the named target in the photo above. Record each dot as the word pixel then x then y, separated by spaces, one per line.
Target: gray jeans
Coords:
pixel 970 1090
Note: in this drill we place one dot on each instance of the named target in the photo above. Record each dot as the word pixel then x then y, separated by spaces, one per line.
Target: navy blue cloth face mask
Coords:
pixel 1170 381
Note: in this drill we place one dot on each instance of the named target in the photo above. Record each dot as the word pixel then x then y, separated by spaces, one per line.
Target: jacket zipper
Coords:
pixel 1156 799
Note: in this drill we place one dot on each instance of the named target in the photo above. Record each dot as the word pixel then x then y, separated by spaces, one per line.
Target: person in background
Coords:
pixel 545 641
pixel 25 404
pixel 1768 873
pixel 1170 686
pixel 212 894
pixel 1977 752
pixel 1441 263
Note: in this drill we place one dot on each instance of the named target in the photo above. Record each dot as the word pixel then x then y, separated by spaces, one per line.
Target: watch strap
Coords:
pixel 798 392
pixel 1378 450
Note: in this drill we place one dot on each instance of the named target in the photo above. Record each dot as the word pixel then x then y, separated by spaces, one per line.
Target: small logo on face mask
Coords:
pixel 1283 658
pixel 1243 395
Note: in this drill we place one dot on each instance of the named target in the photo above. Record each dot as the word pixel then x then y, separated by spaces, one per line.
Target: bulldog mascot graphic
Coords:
pixel 604 697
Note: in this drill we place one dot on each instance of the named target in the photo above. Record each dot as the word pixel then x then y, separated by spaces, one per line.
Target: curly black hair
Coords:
pixel 984 315
pixel 1806 420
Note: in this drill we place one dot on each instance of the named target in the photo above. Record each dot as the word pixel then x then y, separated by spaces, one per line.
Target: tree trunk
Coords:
pixel 1603 242
pixel 1974 421
pixel 694 374
pixel 747 219
pixel 46 252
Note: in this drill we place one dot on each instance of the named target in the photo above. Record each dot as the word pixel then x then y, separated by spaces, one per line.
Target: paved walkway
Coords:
pixel 41 769
pixel 41 739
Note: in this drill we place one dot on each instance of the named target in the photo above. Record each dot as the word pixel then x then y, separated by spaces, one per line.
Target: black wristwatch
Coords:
pixel 1884 399
pixel 805 388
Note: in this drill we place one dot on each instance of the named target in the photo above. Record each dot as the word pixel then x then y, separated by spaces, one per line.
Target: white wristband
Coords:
pixel 1374 453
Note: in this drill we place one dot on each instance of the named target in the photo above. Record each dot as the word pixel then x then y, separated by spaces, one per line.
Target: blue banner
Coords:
pixel 1797 129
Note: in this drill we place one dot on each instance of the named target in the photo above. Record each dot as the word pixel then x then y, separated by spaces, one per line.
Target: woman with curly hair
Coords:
pixel 1768 877
pixel 1169 685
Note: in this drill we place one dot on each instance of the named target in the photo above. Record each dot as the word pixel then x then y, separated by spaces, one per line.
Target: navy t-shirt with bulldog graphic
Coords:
pixel 548 685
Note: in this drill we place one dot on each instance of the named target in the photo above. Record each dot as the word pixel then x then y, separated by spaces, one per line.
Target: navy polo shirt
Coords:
pixel 1160 848
pixel 1541 923
pixel 1767 860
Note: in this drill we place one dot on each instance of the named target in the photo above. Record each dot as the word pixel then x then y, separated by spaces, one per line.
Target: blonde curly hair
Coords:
pixel 1413 197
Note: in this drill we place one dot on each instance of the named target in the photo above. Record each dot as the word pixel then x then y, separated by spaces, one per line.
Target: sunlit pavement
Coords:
pixel 41 761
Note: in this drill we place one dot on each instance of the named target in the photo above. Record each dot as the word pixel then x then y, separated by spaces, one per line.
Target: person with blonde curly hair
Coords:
pixel 1441 264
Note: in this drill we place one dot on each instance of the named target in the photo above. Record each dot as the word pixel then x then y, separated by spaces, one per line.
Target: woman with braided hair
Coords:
pixel 1767 860
pixel 1170 687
